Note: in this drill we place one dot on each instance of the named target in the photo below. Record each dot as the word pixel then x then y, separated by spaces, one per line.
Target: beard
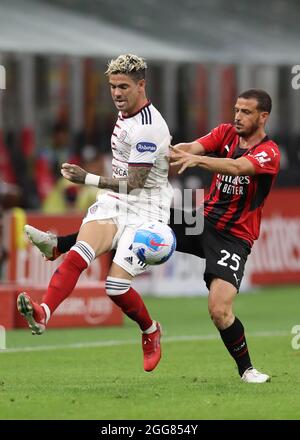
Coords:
pixel 247 132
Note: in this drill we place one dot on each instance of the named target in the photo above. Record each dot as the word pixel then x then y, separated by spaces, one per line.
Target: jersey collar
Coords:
pixel 134 114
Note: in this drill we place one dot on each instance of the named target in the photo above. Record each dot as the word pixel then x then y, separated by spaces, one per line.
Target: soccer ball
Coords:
pixel 154 243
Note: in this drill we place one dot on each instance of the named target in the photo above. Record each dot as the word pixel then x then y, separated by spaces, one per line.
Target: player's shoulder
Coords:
pixel 226 129
pixel 150 116
pixel 149 121
pixel 225 133
pixel 271 146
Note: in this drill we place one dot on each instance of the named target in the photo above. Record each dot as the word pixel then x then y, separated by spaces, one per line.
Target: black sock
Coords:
pixel 64 243
pixel 235 342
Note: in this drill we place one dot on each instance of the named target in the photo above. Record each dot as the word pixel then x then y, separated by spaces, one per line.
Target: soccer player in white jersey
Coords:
pixel 137 192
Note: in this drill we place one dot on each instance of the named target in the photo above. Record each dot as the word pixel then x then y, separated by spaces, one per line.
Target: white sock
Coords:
pixel 84 250
pixel 151 329
pixel 47 311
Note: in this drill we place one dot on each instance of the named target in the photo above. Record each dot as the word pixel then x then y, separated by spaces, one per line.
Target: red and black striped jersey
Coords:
pixel 234 203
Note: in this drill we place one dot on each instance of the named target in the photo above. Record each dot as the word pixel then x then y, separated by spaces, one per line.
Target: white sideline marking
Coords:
pixel 112 343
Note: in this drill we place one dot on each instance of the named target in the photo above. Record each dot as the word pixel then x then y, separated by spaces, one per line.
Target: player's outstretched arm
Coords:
pixel 137 176
pixel 190 147
pixel 231 167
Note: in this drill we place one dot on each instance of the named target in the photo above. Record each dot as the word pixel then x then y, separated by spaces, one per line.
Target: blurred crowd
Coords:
pixel 35 182
pixel 38 180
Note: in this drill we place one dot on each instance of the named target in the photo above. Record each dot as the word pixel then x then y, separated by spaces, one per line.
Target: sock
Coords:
pixel 46 311
pixel 235 342
pixel 66 275
pixel 134 307
pixel 151 329
pixel 64 243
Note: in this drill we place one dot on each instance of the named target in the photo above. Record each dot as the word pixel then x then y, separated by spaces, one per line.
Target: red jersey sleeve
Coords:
pixel 214 140
pixel 265 158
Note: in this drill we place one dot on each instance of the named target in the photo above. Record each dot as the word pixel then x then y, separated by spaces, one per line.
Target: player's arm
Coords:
pixel 194 147
pixel 212 142
pixel 231 167
pixel 137 176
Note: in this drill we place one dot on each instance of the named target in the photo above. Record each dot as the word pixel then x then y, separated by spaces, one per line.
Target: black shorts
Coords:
pixel 225 254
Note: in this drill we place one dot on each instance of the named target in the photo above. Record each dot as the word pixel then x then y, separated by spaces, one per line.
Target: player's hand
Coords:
pixel 182 158
pixel 73 173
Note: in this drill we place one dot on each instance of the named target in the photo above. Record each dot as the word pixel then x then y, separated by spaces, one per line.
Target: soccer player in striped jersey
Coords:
pixel 245 165
pixel 137 192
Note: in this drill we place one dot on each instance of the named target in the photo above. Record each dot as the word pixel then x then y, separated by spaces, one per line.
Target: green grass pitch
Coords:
pixel 97 373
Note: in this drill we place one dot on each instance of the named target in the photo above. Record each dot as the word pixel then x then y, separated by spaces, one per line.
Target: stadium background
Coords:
pixel 56 106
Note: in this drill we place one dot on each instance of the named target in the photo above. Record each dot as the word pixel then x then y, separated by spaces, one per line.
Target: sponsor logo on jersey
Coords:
pixel 232 184
pixel 234 180
pixel 146 146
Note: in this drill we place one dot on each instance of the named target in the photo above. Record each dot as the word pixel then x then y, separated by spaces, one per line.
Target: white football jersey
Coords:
pixel 143 139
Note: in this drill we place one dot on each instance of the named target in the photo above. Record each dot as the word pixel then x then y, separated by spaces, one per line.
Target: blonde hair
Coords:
pixel 128 64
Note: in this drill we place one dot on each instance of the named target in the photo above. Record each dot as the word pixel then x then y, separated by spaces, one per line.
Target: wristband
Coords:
pixel 92 179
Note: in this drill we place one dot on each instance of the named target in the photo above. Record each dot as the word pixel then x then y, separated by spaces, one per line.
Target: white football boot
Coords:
pixel 46 242
pixel 253 376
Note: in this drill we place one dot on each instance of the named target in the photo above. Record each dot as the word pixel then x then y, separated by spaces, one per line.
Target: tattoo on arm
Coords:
pixel 136 179
pixel 137 176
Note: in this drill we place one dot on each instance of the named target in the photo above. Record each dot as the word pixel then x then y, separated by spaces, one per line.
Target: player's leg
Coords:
pixel 187 227
pixel 220 305
pixel 125 266
pixel 65 242
pixel 50 245
pixel 94 238
pixel 226 257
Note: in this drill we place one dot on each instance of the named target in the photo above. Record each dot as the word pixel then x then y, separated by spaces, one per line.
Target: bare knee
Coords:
pixel 221 315
pixel 220 303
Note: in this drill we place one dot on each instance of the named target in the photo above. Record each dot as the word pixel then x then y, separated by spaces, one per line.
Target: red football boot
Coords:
pixel 33 313
pixel 151 348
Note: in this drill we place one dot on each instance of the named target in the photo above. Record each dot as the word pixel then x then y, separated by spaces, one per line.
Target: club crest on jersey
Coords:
pixel 93 209
pixel 146 146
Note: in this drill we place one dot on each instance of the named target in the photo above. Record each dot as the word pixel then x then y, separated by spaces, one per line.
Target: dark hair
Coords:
pixel 264 101
pixel 137 75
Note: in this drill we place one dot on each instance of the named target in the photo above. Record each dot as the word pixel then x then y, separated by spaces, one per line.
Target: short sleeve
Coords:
pixel 214 140
pixel 266 159
pixel 144 147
